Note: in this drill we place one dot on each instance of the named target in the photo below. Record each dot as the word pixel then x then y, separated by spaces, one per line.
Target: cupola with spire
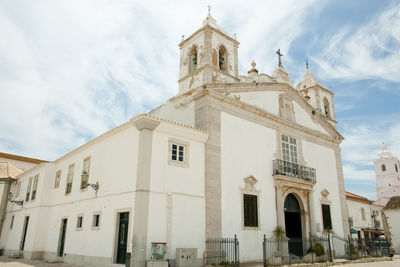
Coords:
pixel 317 95
pixel 209 55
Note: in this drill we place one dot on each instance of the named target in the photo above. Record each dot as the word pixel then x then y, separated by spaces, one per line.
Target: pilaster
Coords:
pixel 146 127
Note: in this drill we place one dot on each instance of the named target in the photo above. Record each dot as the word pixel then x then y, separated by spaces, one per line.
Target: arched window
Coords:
pixel 222 58
pixel 383 167
pixel 326 107
pixel 395 167
pixel 193 59
pixel 286 110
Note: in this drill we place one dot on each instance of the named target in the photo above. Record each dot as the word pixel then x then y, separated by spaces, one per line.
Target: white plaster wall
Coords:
pixel 266 100
pixel 183 114
pixel 354 208
pixel 179 220
pixel 113 165
pixel 246 149
pixel 303 118
pixel 323 160
pixel 393 217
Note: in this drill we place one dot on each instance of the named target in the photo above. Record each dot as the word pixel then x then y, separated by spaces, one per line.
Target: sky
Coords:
pixel 71 70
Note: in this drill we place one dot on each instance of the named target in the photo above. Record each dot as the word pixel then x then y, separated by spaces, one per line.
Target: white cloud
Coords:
pixel 371 51
pixel 70 70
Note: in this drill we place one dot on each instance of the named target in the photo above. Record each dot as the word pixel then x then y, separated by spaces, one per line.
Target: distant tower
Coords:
pixel 387 168
pixel 209 55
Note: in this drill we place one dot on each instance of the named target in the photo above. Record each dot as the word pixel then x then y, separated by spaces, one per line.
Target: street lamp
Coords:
pixel 18 202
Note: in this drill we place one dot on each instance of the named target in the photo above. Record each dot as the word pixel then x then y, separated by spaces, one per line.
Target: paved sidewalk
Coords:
pixel 6 261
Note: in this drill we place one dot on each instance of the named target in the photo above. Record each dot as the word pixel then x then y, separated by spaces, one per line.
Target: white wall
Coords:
pixel 246 149
pixel 393 217
pixel 323 160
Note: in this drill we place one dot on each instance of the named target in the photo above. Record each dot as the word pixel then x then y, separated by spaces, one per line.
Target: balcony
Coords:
pixel 281 167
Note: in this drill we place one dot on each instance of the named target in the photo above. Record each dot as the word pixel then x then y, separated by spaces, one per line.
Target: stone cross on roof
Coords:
pixel 279 57
pixel 209 9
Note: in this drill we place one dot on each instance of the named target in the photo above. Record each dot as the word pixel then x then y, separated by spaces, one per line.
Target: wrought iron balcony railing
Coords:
pixel 281 167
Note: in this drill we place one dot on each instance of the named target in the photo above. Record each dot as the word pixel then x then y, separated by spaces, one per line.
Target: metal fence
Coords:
pixel 222 251
pixel 315 249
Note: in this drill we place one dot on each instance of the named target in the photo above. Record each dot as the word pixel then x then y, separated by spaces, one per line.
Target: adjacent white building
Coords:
pixel 228 155
pixel 391 216
pixel 365 217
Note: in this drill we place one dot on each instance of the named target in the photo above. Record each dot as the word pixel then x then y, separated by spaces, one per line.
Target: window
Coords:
pixel 12 222
pixel 96 221
pixel 35 184
pixel 286 110
pixel 57 180
pixel 289 149
pixel 250 210
pixel 326 107
pixel 395 167
pixel 222 58
pixel 178 153
pixel 363 214
pixel 351 221
pixel 79 222
pixel 28 189
pixel 85 173
pixel 383 167
pixel 70 177
pixel 326 217
pixel 193 59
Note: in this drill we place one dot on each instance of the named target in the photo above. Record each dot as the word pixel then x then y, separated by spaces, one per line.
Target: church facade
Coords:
pixel 228 155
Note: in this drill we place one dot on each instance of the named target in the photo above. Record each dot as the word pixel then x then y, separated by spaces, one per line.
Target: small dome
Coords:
pixel 384 152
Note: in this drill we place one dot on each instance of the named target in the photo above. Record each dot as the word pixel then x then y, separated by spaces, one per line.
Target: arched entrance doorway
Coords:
pixel 293 225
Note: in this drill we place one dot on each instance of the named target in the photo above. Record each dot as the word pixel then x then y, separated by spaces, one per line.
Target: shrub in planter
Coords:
pixel 318 249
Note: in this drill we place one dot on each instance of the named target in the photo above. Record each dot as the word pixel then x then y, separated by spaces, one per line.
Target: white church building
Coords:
pixel 228 155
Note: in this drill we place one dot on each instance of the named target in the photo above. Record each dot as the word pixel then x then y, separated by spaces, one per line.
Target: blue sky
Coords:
pixel 71 70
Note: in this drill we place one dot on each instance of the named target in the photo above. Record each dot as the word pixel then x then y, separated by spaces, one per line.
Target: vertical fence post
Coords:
pixel 330 249
pixel 236 252
pixel 312 251
pixel 265 251
pixel 388 247
pixel 350 249
pixel 380 246
pixel 128 259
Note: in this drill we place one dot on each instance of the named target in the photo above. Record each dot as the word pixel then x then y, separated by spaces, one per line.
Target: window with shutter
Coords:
pixel 70 177
pixel 28 189
pixel 326 217
pixel 35 184
pixel 250 210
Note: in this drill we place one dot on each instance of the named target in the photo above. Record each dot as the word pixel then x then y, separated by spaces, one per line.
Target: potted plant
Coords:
pixel 279 234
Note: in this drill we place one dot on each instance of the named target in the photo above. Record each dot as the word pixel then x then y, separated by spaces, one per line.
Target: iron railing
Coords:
pixel 316 248
pixel 222 251
pixel 281 167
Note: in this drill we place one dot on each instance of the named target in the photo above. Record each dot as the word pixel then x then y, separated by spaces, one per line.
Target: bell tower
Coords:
pixel 209 55
pixel 387 171
pixel 320 98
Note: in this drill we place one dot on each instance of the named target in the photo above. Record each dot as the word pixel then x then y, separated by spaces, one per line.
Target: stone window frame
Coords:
pixel 363 216
pixel 327 108
pixel 70 178
pixel 249 189
pixel 28 189
pixel 324 200
pixel 81 187
pixel 77 228
pixel 97 213
pixel 34 187
pixel 57 179
pixel 190 57
pixel 299 143
pixel 185 162
pixel 286 100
